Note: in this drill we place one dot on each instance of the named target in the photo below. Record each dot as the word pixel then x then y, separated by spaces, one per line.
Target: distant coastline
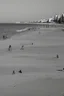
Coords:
pixel 34 24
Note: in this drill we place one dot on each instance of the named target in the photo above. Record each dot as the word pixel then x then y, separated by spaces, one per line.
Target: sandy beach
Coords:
pixel 38 63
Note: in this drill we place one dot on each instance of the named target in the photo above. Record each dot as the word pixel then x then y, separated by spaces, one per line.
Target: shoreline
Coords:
pixel 38 63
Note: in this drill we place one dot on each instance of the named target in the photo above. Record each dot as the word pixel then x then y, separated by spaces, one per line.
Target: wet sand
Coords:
pixel 38 63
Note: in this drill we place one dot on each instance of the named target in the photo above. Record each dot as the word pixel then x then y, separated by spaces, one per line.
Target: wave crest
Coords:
pixel 25 29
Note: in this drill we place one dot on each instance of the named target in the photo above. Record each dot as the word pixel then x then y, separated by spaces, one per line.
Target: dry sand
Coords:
pixel 38 63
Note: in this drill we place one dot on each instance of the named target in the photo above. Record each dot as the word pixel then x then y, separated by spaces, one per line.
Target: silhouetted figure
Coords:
pixel 32 43
pixel 20 71
pixel 13 72
pixel 4 36
pixel 9 48
pixel 57 56
pixel 22 48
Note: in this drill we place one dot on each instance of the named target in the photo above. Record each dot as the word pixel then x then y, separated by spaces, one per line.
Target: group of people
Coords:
pixel 20 71
pixel 10 47
pixel 22 48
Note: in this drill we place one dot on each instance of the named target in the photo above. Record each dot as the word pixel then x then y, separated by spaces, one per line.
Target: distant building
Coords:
pixel 50 20
pixel 17 22
pixel 59 18
pixel 42 21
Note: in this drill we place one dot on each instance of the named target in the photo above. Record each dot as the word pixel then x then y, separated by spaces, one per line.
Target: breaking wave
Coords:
pixel 25 29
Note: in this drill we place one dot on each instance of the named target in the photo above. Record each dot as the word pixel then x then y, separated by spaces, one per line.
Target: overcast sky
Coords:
pixel 28 10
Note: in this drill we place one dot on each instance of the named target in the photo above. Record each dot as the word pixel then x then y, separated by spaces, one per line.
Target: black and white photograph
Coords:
pixel 31 47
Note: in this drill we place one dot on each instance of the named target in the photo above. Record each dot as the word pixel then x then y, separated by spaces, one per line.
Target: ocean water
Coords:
pixel 11 29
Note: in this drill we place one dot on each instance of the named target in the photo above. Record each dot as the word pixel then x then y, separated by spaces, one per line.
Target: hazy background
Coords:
pixel 28 10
